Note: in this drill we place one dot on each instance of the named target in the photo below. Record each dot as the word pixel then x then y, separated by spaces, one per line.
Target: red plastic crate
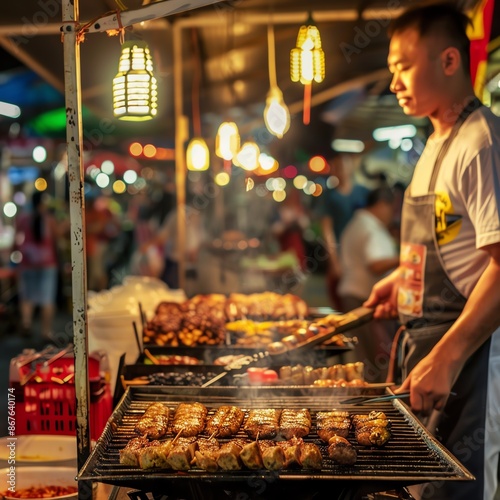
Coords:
pixel 46 404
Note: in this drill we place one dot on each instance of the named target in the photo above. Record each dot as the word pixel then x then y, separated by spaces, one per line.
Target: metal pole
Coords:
pixel 74 138
pixel 180 160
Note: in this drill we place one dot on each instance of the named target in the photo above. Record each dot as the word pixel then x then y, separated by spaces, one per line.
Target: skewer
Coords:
pixel 152 358
pixel 136 333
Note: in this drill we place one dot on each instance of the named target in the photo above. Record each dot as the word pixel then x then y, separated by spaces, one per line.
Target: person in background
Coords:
pixel 446 288
pixel 367 252
pixel 337 209
pixel 167 236
pixel 289 226
pixel 36 238
pixel 101 225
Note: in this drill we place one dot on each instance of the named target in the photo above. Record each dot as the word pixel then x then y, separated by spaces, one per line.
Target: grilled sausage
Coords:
pixel 262 423
pixel 189 419
pixel 154 422
pixel 225 422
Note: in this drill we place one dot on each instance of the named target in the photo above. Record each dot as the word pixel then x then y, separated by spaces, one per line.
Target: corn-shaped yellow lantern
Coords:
pixel 134 86
pixel 307 62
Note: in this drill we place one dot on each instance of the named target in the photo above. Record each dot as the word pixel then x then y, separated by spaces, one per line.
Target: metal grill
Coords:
pixel 411 456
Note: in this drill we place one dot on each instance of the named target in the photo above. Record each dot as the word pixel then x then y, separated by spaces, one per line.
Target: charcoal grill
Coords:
pixel 412 456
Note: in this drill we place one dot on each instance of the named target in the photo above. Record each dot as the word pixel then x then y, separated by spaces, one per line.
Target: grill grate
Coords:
pixel 411 456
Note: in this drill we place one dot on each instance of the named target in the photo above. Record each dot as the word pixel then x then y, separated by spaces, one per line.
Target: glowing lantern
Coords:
pixel 227 141
pixel 134 86
pixel 197 155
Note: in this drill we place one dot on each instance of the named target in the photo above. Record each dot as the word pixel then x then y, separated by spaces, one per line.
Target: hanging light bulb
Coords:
pixel 134 86
pixel 307 62
pixel 276 114
pixel 197 155
pixel 248 156
pixel 227 141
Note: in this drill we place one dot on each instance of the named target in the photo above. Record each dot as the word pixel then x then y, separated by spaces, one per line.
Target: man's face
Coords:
pixel 417 75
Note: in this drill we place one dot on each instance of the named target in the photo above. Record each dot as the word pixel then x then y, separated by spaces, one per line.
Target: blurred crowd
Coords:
pixel 349 235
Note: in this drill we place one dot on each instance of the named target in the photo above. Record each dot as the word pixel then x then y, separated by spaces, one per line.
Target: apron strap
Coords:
pixel 466 111
pixel 393 358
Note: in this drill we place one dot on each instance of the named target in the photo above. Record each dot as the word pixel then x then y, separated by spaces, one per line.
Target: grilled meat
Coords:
pixel 162 452
pixel 207 453
pixel 373 429
pixel 361 420
pixel 342 451
pixel 154 423
pixel 229 455
pixel 262 423
pixel 273 456
pixel 129 454
pixel 310 456
pixel 373 435
pixel 182 453
pixel 251 456
pixel 294 423
pixel 292 449
pixel 225 422
pixel 189 419
pixel 332 423
pixel 147 456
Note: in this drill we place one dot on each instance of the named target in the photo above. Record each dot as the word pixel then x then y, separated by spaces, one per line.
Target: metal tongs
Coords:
pixel 361 400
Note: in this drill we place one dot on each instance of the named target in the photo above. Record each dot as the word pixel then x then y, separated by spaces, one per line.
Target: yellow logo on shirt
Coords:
pixel 448 224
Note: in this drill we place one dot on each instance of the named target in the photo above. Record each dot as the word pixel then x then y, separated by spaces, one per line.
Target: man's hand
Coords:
pixel 430 383
pixel 384 297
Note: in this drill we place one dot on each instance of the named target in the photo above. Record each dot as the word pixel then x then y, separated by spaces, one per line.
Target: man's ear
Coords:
pixel 450 60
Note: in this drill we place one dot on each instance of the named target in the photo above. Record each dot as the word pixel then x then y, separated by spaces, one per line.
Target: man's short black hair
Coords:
pixel 443 18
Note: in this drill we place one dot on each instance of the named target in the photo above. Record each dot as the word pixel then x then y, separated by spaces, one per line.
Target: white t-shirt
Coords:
pixel 364 240
pixel 468 205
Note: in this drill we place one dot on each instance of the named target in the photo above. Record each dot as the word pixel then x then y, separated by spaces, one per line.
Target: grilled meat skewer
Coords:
pixel 129 454
pixel 251 456
pixel 273 456
pixel 229 455
pixel 310 456
pixel 294 423
pixel 154 423
pixel 262 423
pixel 225 422
pixel 189 419
pixel 207 453
pixel 182 453
pixel 332 423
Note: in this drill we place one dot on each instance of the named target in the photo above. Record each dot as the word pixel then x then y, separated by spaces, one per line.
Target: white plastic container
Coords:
pixel 38 477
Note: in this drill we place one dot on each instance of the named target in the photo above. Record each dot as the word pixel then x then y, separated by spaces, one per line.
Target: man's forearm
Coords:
pixel 479 319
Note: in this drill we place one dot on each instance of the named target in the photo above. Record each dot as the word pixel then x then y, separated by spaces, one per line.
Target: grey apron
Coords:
pixel 429 304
